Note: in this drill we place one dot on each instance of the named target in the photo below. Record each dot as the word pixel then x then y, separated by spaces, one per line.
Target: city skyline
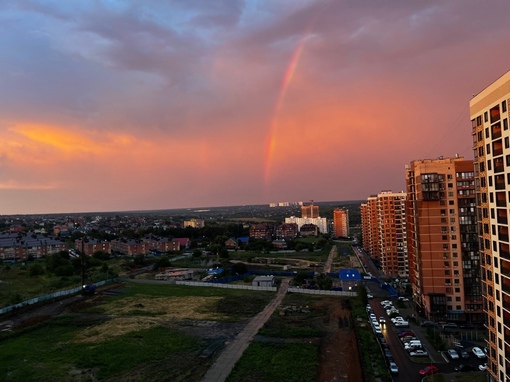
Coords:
pixel 121 106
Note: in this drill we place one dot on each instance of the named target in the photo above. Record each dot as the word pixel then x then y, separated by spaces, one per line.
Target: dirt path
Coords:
pixel 339 356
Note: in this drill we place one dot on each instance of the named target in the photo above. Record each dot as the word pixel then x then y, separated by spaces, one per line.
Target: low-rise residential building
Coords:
pixel 89 246
pixel 130 247
pixel 17 246
pixel 286 231
pixel 309 230
pixel 261 231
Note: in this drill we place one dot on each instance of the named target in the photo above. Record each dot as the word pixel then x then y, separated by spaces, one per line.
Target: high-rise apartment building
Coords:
pixel 311 211
pixel 384 232
pixel 369 230
pixel 341 222
pixel 491 144
pixel 443 245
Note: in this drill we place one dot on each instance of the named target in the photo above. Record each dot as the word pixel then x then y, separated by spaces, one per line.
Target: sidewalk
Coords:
pixel 220 370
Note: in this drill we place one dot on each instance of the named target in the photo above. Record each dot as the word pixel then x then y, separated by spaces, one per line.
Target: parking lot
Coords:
pixel 393 340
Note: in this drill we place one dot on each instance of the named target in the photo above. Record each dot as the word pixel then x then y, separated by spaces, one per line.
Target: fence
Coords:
pixel 322 292
pixel 50 296
pixel 227 286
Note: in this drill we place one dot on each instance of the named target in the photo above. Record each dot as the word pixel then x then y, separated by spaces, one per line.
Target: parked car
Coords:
pixel 427 324
pixel 429 370
pixel 370 296
pixel 402 324
pixel 419 353
pixel 404 333
pixel 464 354
pixel 388 354
pixel 450 325
pixel 478 352
pixel 393 368
pixel 464 368
pixel 395 319
pixel 482 367
pixel 403 298
pixel 453 354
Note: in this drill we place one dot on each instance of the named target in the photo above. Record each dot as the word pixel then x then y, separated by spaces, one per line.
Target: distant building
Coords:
pixel 17 246
pixel 311 211
pixel 321 223
pixel 280 244
pixel 384 232
pixel 89 246
pixel 162 244
pixel 341 222
pixel 194 223
pixel 130 247
pixel 261 231
pixel 184 242
pixel 309 230
pixel 231 243
pixel 286 230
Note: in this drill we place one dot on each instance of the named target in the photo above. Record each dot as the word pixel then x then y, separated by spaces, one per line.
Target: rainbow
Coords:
pixel 286 81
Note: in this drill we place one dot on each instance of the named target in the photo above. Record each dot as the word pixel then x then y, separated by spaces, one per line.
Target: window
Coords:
pixel 486 117
pixel 507 142
pixel 488 148
pixel 503 106
pixel 505 124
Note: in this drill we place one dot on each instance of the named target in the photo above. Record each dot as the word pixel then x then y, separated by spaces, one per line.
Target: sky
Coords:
pixel 113 105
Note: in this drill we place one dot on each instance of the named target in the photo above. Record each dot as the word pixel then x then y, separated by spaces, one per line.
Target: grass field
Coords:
pixel 269 362
pixel 134 336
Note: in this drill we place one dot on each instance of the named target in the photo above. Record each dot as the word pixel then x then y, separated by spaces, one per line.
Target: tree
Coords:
pixel 223 253
pixel 197 253
pixel 101 255
pixel 162 262
pixel 324 281
pixel 35 270
pixel 239 268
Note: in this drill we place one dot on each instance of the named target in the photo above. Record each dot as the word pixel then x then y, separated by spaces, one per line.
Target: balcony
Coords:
pixel 503 251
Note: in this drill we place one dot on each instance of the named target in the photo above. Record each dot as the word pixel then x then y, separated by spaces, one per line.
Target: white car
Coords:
pixel 478 352
pixel 395 319
pixel 370 296
pixel 402 324
pixel 453 354
pixel 482 367
pixel 393 368
pixel 419 353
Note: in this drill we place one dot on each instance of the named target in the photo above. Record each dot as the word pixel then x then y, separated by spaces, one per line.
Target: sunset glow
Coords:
pixel 202 104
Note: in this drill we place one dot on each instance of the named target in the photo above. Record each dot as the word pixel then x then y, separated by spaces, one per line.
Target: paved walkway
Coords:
pixel 220 370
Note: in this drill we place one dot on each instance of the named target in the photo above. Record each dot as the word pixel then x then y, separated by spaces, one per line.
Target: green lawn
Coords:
pixel 270 362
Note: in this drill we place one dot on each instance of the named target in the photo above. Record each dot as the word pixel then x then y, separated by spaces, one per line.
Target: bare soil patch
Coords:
pixel 339 356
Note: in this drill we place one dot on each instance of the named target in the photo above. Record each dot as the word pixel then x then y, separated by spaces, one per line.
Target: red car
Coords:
pixel 429 370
